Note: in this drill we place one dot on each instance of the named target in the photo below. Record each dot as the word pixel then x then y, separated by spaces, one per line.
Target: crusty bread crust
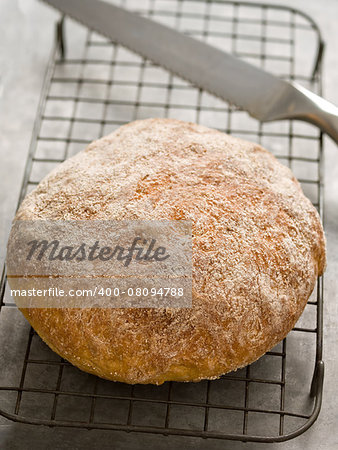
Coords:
pixel 258 247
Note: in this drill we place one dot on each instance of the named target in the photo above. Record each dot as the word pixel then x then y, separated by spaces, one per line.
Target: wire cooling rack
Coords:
pixel 93 86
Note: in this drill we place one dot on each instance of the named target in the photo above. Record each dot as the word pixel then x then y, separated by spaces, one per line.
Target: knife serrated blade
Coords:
pixel 263 95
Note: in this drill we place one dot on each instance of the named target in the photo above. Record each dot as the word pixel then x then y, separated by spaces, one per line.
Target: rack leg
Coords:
pixel 319 60
pixel 317 379
pixel 60 38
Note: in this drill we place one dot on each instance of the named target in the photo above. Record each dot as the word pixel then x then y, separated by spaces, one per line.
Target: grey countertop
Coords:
pixel 27 35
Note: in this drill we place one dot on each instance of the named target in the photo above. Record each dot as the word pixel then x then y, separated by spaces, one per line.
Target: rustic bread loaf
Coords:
pixel 258 247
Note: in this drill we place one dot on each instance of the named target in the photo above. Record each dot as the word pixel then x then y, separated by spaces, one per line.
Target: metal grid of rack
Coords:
pixel 91 87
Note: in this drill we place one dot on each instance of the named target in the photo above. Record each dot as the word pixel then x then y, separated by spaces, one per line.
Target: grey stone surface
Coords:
pixel 27 35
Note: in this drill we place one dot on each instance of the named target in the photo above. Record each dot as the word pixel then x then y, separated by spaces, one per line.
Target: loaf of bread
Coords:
pixel 258 247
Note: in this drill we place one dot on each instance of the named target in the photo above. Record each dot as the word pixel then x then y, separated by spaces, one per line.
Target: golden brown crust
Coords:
pixel 258 246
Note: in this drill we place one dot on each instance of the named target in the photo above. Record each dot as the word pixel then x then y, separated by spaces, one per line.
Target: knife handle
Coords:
pixel 320 112
pixel 297 102
pixel 312 108
pixel 327 122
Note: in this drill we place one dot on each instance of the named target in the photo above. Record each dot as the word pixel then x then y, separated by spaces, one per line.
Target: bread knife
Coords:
pixel 263 95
